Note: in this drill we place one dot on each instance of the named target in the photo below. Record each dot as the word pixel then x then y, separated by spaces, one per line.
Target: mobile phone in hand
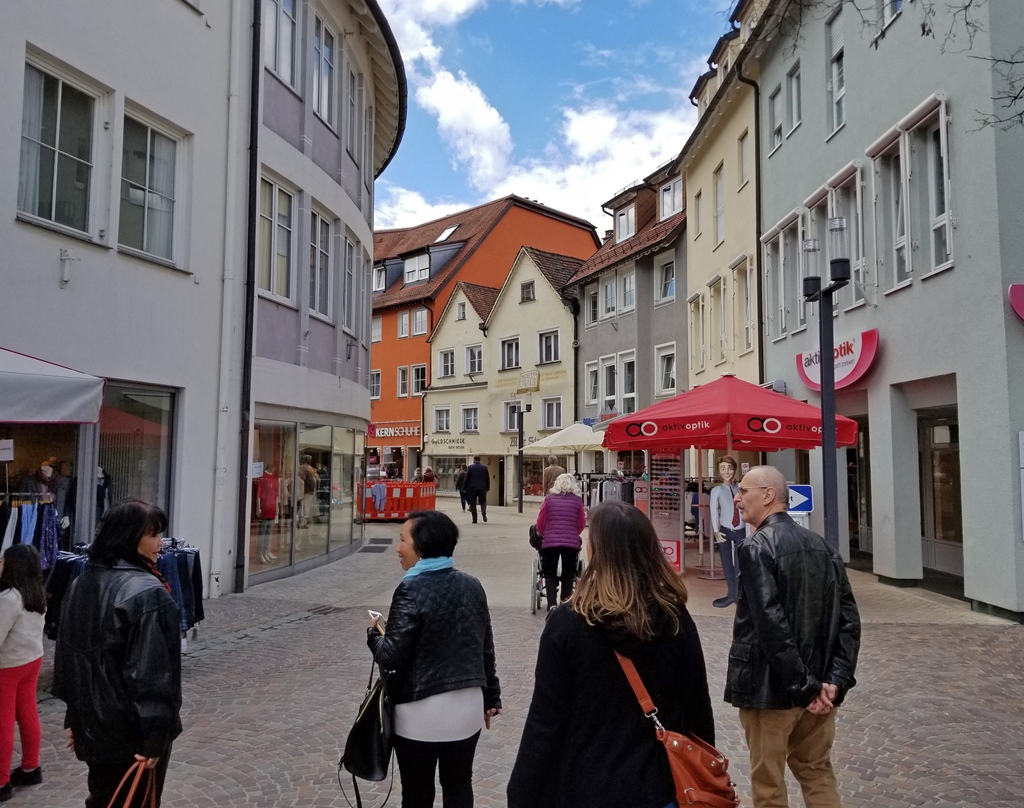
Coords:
pixel 381 622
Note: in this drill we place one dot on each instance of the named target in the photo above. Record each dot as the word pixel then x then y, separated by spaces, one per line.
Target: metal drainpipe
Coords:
pixel 245 425
pixel 757 215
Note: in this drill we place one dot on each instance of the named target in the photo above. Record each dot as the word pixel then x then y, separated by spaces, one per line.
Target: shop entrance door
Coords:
pixel 501 480
pixel 942 537
pixel 858 481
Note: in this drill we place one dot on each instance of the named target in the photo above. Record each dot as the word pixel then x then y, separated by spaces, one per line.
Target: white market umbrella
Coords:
pixel 575 438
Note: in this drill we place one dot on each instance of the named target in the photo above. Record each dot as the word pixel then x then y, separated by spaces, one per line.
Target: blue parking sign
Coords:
pixel 801 500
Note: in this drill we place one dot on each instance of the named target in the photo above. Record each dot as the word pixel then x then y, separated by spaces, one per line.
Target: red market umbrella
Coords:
pixel 729 414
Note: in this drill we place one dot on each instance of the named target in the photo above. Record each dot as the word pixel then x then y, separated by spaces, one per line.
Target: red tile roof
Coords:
pixel 556 268
pixel 474 225
pixel 611 254
pixel 481 298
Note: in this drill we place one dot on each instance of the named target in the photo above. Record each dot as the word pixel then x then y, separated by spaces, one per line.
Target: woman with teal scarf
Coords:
pixel 440 649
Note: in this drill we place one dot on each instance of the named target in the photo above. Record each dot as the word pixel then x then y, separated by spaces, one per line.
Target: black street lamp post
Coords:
pixel 839 273
pixel 519 463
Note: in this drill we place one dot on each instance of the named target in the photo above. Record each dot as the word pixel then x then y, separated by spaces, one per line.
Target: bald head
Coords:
pixel 762 492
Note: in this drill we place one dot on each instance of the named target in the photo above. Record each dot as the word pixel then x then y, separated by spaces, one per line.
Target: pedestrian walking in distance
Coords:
pixel 477 484
pixel 439 645
pixel 551 473
pixel 22 606
pixel 794 646
pixel 560 522
pixel 586 741
pixel 117 664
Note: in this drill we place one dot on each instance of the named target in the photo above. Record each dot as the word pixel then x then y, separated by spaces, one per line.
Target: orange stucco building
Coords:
pixel 415 271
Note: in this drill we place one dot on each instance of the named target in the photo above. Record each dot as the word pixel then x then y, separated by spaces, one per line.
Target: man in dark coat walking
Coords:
pixel 794 646
pixel 478 483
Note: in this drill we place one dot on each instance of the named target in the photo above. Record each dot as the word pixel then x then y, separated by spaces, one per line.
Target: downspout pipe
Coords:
pixel 245 425
pixel 757 218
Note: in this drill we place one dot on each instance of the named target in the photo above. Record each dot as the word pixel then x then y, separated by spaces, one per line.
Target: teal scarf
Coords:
pixel 430 565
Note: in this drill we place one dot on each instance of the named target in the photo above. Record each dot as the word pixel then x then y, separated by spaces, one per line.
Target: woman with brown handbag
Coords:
pixel 586 742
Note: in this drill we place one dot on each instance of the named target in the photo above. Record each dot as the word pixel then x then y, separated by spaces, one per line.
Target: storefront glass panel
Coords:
pixel 533 473
pixel 447 469
pixel 313 491
pixel 37 445
pixel 343 461
pixel 359 475
pixel 135 446
pixel 941 500
pixel 273 505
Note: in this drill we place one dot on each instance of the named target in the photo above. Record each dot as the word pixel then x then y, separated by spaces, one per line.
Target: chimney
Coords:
pixel 608 236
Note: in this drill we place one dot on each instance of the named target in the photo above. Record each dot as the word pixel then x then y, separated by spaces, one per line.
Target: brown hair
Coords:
pixel 628 582
pixel 22 572
pixel 730 460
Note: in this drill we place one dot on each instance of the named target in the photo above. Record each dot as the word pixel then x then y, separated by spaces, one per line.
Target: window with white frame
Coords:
pixel 355 107
pixel 527 292
pixel 417 268
pixel 419 322
pixel 887 10
pixel 794 104
pixel 845 201
pixel 743 283
pixel 792 261
pixel 836 86
pixel 474 359
pixel 148 165
pixel 323 71
pixel 593 312
pixel 403 382
pixel 665 288
pixel 592 382
pixel 627 367
pixel 510 353
pixel 460 311
pixel 403 324
pixel 815 262
pixel 547 348
pixel 716 319
pixel 374 384
pixel 609 396
pixel 55 178
pixel 279 38
pixel 319 264
pixel 442 419
pixel 625 223
pixel 376 329
pixel 353 258
pixel 665 369
pixel 445 233
pixel 743 157
pixel 932 152
pixel 719 177
pixel 510 416
pixel 696 213
pixel 628 291
pixel 774 304
pixel 696 331
pixel 672 198
pixel 551 412
pixel 447 363
pixel 419 379
pixel 609 298
pixel 891 213
pixel 775 119
pixel 380 278
pixel 274 273
pixel 470 418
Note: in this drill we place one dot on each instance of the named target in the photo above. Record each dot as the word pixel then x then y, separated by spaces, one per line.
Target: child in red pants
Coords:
pixel 22 605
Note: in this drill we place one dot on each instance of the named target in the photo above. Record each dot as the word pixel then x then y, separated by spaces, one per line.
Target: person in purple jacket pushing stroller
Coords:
pixel 560 522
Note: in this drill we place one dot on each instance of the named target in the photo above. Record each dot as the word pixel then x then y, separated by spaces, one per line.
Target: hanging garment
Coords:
pixel 27 516
pixel 11 530
pixel 167 564
pixel 66 567
pixel 45 537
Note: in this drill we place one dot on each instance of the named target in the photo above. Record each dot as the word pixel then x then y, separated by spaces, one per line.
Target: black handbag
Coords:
pixel 370 742
pixel 536 540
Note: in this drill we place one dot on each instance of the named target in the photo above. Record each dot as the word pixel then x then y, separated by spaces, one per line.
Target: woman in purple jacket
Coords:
pixel 560 522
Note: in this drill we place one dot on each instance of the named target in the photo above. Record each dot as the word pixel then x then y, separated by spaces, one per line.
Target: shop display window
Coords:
pixel 446 467
pixel 313 491
pixel 273 510
pixel 343 463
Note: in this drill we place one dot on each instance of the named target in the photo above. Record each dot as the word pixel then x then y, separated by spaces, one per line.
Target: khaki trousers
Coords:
pixel 799 738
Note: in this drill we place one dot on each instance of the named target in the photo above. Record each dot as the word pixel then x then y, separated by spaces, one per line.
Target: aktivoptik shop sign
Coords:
pixel 852 359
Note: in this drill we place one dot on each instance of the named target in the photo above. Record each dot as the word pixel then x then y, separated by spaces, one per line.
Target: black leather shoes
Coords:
pixel 20 777
pixel 721 603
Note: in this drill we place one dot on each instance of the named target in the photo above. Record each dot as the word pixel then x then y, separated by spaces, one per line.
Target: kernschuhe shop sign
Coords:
pixel 852 358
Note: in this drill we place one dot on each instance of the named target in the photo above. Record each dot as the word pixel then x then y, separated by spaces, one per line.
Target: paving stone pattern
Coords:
pixel 272 682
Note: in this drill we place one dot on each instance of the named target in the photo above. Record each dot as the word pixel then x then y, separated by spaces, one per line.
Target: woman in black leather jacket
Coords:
pixel 439 645
pixel 586 741
pixel 117 664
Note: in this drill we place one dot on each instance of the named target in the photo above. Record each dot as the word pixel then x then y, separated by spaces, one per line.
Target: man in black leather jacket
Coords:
pixel 794 648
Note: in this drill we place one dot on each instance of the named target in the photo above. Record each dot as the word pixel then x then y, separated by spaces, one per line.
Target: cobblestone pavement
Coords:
pixel 273 679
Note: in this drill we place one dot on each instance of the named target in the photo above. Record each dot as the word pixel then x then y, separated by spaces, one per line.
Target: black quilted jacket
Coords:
pixel 438 638
pixel 797 624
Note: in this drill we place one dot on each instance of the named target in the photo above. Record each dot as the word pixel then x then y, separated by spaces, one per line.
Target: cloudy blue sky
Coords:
pixel 562 101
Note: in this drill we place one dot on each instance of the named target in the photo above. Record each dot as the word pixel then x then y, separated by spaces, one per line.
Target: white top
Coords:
pixel 450 716
pixel 723 508
pixel 21 632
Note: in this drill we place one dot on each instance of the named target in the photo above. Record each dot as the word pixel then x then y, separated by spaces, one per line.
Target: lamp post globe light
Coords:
pixel 839 276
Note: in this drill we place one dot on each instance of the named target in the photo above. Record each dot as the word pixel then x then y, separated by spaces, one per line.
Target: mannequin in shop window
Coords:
pixel 103 484
pixel 310 482
pixel 268 494
pixel 729 529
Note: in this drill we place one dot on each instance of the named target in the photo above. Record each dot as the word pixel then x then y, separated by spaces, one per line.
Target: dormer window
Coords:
pixel 379 279
pixel 672 198
pixel 417 268
pixel 447 232
pixel 625 223
pixel 702 104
